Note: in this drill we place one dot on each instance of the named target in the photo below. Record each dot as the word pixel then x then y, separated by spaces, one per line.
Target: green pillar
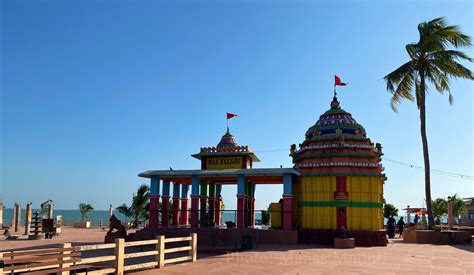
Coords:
pixel 203 196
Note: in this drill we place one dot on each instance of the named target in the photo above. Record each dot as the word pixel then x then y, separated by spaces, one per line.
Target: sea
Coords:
pixel 99 217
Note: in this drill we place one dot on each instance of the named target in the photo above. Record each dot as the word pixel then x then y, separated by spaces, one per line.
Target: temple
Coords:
pixel 335 185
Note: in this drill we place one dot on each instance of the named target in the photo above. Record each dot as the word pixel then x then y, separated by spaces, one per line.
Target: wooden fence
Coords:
pixel 67 258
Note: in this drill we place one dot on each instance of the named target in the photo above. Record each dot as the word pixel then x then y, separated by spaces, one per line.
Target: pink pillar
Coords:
pixel 175 211
pixel 165 202
pixel 153 211
pixel 217 207
pixel 287 213
pixel 194 211
pixel 252 212
pixel 240 211
pixel 184 212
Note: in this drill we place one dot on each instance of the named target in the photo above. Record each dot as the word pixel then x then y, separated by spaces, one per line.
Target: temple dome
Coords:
pixel 335 121
pixel 227 140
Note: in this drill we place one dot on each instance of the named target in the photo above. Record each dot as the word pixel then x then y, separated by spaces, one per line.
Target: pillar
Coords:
pixel 218 205
pixel 154 196
pixel 111 211
pixel 176 201
pixel 203 198
pixel 287 201
pixel 252 205
pixel 28 215
pixel 165 202
pixel 212 200
pixel 240 201
pixel 184 205
pixel 194 201
pixel 16 217
pixel 1 215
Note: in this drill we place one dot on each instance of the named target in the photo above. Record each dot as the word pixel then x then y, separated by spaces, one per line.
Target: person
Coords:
pixel 415 221
pixel 401 225
pixel 391 227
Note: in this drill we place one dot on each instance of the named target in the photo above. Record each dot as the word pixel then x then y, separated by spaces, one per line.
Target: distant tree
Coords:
pixel 138 210
pixel 124 210
pixel 85 209
pixel 458 206
pixel 389 210
pixel 433 59
pixel 439 208
pixel 266 215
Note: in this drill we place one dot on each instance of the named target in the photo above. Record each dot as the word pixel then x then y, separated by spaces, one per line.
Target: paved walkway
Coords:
pixel 396 258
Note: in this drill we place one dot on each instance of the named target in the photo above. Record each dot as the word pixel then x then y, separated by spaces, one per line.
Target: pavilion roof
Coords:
pixel 219 173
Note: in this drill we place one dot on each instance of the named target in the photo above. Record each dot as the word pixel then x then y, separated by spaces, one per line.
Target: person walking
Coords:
pixel 391 227
pixel 400 225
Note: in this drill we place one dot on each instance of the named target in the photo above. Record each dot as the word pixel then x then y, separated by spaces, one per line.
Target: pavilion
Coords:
pixel 225 164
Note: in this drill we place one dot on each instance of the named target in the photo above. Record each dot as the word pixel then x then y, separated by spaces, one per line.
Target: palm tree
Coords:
pixel 85 209
pixel 139 208
pixel 389 210
pixel 439 207
pixel 458 206
pixel 431 60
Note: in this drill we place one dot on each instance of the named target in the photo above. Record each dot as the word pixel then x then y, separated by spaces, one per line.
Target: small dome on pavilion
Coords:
pixel 335 121
pixel 227 140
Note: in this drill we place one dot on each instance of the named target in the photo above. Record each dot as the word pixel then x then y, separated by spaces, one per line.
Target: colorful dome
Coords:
pixel 335 121
pixel 227 140
pixel 337 145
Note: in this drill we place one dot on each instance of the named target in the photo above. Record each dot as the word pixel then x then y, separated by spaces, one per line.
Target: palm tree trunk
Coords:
pixel 426 155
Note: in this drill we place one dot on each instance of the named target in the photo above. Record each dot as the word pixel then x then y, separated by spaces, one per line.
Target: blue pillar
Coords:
pixel 184 191
pixel 241 201
pixel 176 190
pixel 287 201
pixel 194 201
pixel 155 185
pixel 166 188
pixel 240 185
pixel 154 200
pixel 195 186
pixel 287 184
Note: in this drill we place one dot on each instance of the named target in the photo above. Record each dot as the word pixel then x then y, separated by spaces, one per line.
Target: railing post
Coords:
pixel 161 251
pixel 1 259
pixel 193 245
pixel 63 256
pixel 119 255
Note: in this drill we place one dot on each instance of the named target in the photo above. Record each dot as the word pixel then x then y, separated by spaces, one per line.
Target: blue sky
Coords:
pixel 94 92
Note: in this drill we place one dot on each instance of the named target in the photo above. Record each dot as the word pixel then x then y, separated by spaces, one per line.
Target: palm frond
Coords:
pixel 403 79
pixel 394 78
pixel 452 68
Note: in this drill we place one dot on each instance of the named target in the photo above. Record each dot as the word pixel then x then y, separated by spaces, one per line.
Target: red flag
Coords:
pixel 338 82
pixel 229 115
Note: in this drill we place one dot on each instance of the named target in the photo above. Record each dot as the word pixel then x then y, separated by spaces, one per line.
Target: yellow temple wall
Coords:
pixel 317 207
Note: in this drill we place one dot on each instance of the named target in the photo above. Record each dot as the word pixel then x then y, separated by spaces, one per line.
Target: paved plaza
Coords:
pixel 396 258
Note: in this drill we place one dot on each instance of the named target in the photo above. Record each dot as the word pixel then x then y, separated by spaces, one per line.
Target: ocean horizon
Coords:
pixel 103 215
